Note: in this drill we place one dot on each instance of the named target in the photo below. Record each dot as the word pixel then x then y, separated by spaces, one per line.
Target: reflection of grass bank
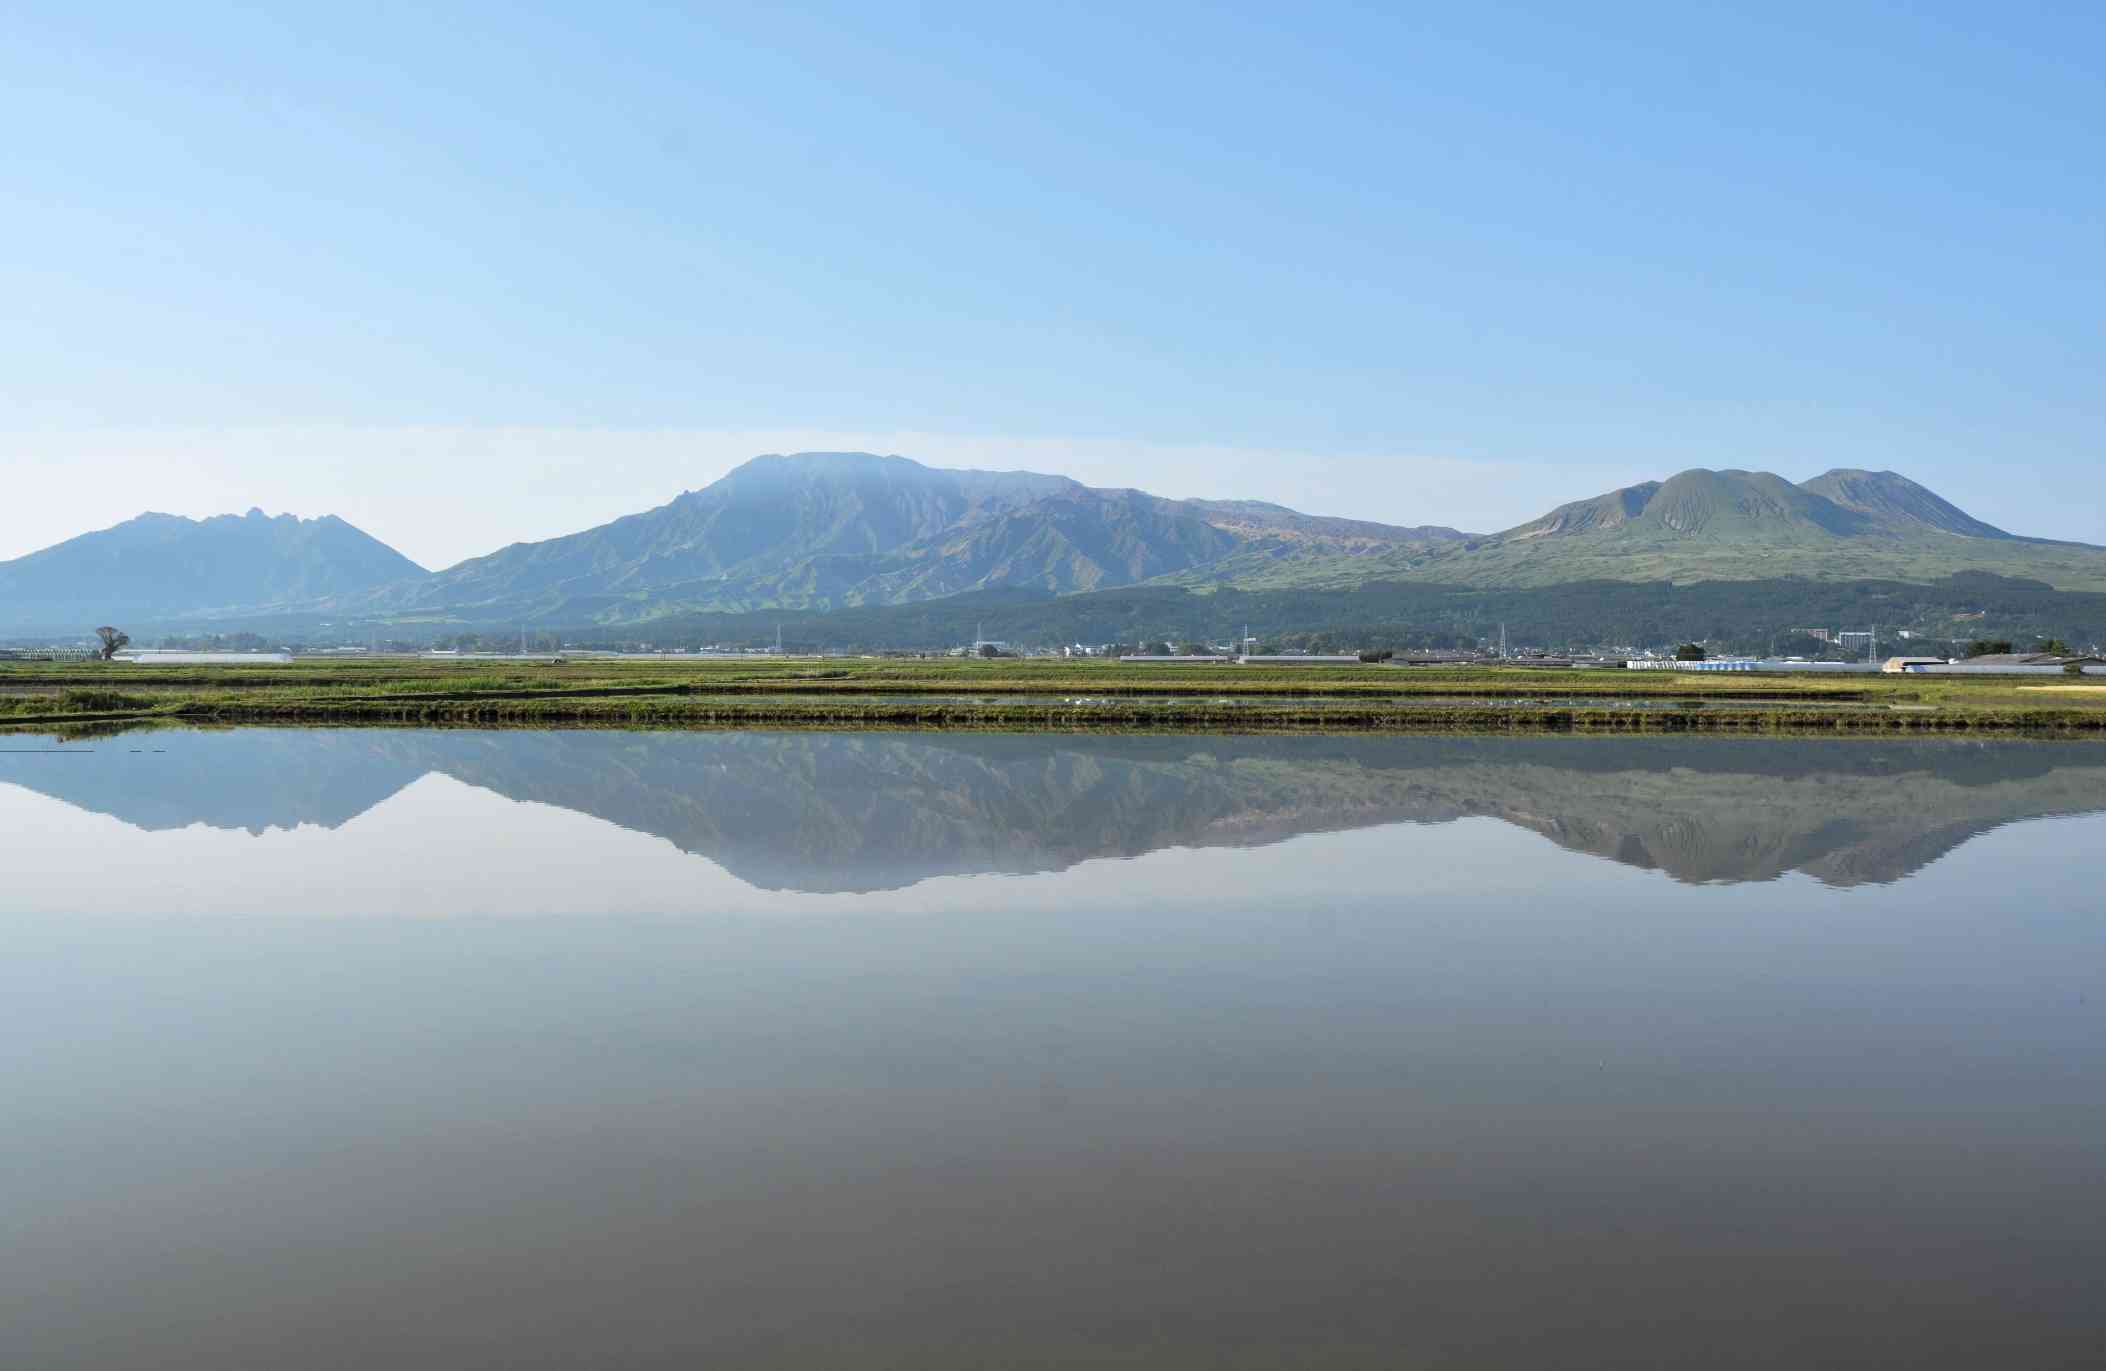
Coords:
pixel 1031 695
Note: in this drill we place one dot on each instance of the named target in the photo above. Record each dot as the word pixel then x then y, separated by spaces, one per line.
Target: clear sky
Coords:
pixel 466 274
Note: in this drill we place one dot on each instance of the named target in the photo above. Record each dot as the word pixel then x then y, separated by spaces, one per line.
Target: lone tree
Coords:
pixel 1689 652
pixel 113 640
pixel 2054 647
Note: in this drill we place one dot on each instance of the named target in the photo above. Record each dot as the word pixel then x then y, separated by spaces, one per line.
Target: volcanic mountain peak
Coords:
pixel 820 529
pixel 1612 510
pixel 1891 498
pixel 1735 505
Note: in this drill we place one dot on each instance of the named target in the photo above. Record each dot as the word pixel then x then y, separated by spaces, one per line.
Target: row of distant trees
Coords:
pixel 216 642
pixel 112 640
pixel 1987 647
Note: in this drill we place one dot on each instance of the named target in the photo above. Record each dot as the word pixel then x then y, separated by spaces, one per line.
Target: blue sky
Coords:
pixel 466 274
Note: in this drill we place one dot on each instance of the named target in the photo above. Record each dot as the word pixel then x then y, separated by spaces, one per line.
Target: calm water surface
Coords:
pixel 373 1049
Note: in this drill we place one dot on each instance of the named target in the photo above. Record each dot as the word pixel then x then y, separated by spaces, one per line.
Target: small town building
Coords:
pixel 2005 659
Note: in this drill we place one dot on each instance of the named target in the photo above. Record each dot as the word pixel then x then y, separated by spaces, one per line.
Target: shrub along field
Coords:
pixel 1059 694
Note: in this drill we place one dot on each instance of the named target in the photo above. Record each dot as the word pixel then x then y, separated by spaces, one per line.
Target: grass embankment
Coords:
pixel 1062 695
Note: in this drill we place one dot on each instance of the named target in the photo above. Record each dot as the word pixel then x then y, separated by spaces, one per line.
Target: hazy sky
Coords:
pixel 468 274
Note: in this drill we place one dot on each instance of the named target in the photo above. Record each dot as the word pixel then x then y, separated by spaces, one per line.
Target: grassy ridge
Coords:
pixel 1030 694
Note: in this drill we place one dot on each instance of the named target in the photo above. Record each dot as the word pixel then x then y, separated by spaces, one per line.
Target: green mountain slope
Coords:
pixel 1845 525
pixel 1896 501
pixel 823 530
pixel 1406 615
pixel 749 538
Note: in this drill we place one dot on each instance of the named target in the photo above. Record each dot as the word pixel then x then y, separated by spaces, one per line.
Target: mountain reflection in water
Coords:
pixel 429 1050
pixel 821 813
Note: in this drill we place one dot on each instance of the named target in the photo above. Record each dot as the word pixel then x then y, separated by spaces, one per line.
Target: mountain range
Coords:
pixel 826 530
pixel 1699 525
pixel 829 531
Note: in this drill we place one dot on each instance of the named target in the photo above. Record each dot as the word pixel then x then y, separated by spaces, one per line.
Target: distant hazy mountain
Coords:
pixel 830 529
pixel 163 566
pixel 1700 525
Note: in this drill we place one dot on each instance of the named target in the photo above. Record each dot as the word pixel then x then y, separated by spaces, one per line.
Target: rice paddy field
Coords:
pixel 1026 694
